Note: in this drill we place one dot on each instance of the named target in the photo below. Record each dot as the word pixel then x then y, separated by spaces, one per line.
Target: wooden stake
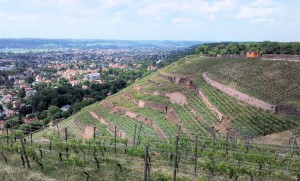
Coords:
pixel 115 139
pixel 138 138
pixel 196 155
pixel 66 138
pixel 95 133
pixel 24 153
pixel 175 160
pixel 134 136
pixel 7 136
pixel 146 164
pixel 30 134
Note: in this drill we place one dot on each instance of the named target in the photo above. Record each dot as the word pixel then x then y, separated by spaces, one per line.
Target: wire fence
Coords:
pixel 111 158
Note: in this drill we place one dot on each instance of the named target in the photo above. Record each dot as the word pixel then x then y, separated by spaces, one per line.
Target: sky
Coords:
pixel 199 20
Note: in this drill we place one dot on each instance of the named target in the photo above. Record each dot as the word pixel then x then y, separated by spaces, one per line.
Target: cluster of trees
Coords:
pixel 266 47
pixel 16 123
pixel 123 74
pixel 67 94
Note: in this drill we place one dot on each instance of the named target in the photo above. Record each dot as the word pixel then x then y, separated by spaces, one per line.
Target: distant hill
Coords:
pixel 27 43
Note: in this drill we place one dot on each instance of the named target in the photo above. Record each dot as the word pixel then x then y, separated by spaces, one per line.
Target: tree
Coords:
pixel 29 79
pixel 232 48
pixel 43 114
pixel 22 93
pixel 202 49
pixel 25 109
pixel 53 110
pixel 9 105
pixel 26 128
pixel 56 115
pixel 13 122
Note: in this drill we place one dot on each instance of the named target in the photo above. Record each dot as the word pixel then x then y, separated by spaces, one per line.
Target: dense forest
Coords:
pixel 266 47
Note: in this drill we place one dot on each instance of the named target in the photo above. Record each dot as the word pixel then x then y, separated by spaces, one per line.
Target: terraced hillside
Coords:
pixel 185 98
pixel 182 122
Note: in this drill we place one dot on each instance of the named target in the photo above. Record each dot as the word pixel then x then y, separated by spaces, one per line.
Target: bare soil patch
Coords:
pixel 281 138
pixel 88 132
pixel 177 97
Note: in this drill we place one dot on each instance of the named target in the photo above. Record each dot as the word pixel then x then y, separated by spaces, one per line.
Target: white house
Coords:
pixel 92 77
pixel 65 108
pixel 30 92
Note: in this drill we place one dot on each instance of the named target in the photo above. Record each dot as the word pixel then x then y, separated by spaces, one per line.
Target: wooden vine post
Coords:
pixel 24 152
pixel 30 134
pixel 6 136
pixel 133 144
pixel 175 159
pixel 115 139
pixel 58 133
pixel 138 138
pixel 50 145
pixel 94 133
pixel 66 139
pixel 294 142
pixel 41 151
pixel 146 163
pixel 196 155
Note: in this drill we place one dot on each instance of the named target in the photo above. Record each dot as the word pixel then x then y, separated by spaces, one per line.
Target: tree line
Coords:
pixel 266 47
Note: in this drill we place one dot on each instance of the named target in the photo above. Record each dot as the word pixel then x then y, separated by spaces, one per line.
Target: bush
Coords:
pixel 13 122
pixel 160 176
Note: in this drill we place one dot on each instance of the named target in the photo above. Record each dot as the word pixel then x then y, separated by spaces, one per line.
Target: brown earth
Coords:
pixel 88 132
pixel 281 138
pixel 177 97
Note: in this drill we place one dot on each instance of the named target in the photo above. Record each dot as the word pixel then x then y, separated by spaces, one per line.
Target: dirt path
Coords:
pixel 239 95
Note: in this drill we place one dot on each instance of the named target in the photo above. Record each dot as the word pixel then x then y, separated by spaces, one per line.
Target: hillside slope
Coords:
pixel 181 98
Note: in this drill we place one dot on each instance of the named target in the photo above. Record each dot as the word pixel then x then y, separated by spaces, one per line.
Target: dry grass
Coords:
pixel 9 173
pixel 281 138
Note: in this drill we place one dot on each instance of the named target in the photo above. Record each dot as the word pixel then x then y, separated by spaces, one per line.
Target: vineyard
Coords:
pixel 111 158
pixel 174 124
pixel 276 82
pixel 196 116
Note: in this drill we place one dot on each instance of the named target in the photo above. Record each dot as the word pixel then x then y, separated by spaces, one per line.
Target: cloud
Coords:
pixel 262 2
pixel 186 23
pixel 212 17
pixel 258 9
pixel 252 12
pixel 2 14
pixel 62 2
pixel 225 5
pixel 263 20
pixel 23 17
pixel 156 9
pixel 181 20
pixel 113 3
pixel 187 7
